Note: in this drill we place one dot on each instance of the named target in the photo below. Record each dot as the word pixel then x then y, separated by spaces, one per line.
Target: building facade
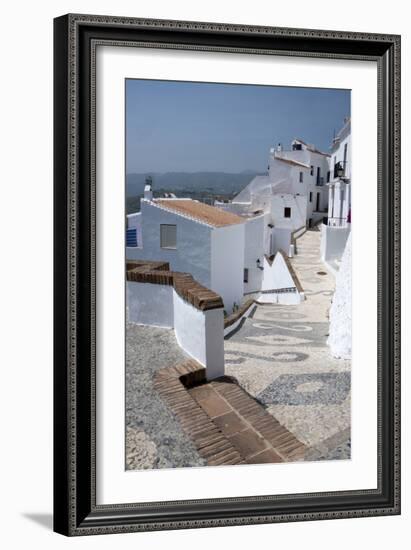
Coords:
pixel 194 238
pixel 337 228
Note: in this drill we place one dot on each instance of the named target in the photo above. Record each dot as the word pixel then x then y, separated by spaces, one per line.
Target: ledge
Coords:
pixel 231 319
pixel 184 284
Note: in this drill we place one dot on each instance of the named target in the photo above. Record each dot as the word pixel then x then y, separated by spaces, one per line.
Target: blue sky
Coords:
pixel 192 127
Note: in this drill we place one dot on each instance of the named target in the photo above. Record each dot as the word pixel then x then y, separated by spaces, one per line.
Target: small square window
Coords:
pixel 287 212
pixel 301 177
pixel 168 236
pixel 246 275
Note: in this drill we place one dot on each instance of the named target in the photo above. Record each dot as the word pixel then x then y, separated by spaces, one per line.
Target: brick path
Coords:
pixel 226 424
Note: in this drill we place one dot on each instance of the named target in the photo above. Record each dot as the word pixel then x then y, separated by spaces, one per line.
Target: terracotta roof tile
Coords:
pixel 199 211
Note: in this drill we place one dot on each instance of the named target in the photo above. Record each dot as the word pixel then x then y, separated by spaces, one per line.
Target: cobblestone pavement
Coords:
pixel 280 356
pixel 154 437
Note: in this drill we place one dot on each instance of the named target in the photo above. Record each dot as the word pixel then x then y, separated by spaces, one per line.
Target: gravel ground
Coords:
pixel 155 438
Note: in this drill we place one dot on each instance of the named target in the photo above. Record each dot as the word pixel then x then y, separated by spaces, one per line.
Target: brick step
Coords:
pixel 226 424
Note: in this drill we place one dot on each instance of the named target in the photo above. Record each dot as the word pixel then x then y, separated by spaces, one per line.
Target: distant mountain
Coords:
pixel 205 182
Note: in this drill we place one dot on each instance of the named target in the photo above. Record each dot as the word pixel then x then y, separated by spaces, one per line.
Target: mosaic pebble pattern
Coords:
pixel 281 357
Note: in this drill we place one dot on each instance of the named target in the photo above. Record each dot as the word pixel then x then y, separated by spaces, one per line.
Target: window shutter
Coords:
pixel 168 236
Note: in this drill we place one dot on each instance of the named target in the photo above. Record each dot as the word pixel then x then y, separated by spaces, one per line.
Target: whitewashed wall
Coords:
pixel 333 241
pixel 214 343
pixel 150 304
pixel 227 264
pixel 254 250
pixel 340 200
pixel 276 275
pixel 201 335
pixel 193 251
pixel 338 155
pixel 134 222
pixel 339 339
pixel 298 205
pixel 281 239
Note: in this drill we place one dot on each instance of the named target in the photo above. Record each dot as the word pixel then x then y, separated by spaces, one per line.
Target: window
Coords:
pixel 328 176
pixel 301 177
pixel 311 196
pixel 168 236
pixel 311 170
pixel 246 275
pixel 297 147
pixel 287 212
pixel 131 237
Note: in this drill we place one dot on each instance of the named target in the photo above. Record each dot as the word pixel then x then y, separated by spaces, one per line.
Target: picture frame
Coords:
pixel 76 38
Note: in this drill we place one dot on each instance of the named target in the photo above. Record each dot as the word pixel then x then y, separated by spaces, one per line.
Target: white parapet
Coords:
pixel 201 335
pixel 199 332
pixel 339 339
pixel 333 241
pixel 150 304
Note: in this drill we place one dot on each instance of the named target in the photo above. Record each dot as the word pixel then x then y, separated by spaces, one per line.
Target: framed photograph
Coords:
pixel 227 277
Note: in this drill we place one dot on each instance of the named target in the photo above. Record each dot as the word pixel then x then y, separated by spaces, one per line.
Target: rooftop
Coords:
pixel 198 211
pixel 291 161
pixel 311 148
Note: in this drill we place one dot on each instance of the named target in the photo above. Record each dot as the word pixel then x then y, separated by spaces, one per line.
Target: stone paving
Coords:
pixel 280 357
pixel 154 437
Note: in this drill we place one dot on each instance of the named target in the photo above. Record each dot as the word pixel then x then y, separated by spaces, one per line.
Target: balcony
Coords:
pixel 320 181
pixel 337 222
pixel 339 169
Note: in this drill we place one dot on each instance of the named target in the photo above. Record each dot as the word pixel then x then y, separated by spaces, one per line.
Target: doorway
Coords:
pixel 317 207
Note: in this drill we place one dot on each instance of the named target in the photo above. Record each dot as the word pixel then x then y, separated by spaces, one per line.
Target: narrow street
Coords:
pixel 280 356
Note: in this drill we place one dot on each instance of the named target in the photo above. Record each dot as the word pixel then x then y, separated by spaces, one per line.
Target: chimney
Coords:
pixel 148 192
pixel 279 148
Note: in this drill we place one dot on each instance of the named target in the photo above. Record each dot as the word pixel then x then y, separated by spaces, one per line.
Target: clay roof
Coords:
pixel 199 211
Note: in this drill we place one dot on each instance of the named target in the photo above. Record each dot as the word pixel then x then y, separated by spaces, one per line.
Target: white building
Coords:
pixel 293 194
pixel 339 209
pixel 335 232
pixel 195 238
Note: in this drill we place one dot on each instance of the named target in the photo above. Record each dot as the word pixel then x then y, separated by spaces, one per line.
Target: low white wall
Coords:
pixel 214 343
pixel 297 234
pixel 284 298
pixel 150 304
pixel 339 339
pixel 333 241
pixel 228 330
pixel 201 335
pixel 276 275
